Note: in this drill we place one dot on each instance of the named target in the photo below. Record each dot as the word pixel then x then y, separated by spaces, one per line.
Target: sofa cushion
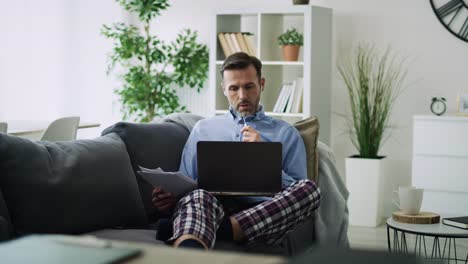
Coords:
pixel 69 187
pixel 151 145
pixel 309 130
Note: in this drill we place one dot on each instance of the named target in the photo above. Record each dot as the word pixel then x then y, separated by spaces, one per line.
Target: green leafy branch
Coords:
pixel 150 66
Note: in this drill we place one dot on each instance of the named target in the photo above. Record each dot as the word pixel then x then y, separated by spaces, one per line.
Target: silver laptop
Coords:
pixel 239 168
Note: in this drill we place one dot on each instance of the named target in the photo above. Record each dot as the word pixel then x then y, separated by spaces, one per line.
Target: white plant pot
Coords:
pixel 364 179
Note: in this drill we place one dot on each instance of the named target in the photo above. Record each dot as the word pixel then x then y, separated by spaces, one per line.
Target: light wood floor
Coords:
pixel 376 239
pixel 366 237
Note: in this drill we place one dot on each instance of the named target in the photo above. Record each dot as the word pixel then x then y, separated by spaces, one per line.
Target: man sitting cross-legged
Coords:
pixel 200 218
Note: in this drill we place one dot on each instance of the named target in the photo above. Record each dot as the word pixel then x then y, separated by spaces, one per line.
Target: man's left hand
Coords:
pixel 249 134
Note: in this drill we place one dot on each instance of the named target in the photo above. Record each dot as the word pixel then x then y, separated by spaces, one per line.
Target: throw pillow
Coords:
pixel 69 187
pixel 151 146
pixel 309 130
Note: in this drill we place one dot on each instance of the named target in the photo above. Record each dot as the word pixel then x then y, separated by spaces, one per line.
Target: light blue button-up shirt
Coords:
pixel 227 128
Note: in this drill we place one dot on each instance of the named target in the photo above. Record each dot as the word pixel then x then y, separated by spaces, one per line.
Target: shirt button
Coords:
pixel 237 135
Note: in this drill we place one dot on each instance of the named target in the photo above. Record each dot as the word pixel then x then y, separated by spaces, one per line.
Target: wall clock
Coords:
pixel 453 14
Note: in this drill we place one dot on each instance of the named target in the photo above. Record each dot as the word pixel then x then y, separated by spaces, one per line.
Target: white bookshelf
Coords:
pixel 314 64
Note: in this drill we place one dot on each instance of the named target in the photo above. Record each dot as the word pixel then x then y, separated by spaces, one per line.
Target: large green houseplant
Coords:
pixel 149 68
pixel 374 81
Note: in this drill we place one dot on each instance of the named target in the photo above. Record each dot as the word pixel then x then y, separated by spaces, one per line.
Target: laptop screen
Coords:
pixel 253 168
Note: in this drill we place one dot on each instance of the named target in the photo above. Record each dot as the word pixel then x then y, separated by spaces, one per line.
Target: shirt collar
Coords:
pixel 259 115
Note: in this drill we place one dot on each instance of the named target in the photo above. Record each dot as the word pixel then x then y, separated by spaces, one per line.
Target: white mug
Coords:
pixel 410 199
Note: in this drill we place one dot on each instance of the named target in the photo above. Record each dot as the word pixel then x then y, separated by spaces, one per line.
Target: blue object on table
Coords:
pixel 42 249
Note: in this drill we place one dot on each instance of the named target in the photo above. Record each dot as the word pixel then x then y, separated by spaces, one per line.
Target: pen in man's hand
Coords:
pixel 242 133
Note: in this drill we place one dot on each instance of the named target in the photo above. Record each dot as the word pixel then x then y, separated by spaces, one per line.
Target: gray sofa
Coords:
pixel 91 186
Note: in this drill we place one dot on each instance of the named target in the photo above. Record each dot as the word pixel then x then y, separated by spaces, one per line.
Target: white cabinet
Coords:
pixel 314 64
pixel 440 163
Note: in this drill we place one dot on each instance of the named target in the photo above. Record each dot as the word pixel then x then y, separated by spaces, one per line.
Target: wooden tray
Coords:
pixel 421 218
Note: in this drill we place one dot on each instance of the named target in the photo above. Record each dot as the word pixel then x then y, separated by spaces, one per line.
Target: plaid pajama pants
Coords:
pixel 199 213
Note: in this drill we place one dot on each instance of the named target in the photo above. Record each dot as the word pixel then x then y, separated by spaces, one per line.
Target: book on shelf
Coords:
pixel 250 43
pixel 242 43
pixel 461 222
pixel 283 97
pixel 234 42
pixel 228 39
pixel 224 45
pixel 291 97
pixel 300 104
pixel 278 100
pixel 297 96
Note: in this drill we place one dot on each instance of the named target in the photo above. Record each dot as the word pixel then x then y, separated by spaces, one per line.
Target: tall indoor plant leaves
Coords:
pixel 373 80
pixel 151 67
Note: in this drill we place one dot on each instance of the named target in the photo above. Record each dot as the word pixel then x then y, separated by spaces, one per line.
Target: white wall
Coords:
pixel 90 92
pixel 437 69
pixel 32 58
pixel 52 51
pixel 53 61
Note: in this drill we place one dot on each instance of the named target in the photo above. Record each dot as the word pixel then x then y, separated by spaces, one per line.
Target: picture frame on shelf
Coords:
pixel 462 104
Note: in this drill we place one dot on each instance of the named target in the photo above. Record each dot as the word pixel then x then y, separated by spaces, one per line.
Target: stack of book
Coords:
pixel 461 222
pixel 290 97
pixel 232 42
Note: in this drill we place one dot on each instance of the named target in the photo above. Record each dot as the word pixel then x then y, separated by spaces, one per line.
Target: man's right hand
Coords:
pixel 162 200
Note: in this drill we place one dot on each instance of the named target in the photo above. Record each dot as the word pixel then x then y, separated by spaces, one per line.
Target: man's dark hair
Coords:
pixel 240 61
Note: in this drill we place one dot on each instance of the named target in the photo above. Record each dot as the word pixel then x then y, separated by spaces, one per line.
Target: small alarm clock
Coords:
pixel 438 106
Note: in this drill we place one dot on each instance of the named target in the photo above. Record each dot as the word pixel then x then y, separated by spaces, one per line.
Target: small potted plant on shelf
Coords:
pixel 291 41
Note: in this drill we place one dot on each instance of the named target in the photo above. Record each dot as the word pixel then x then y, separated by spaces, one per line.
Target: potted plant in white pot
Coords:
pixel 291 42
pixel 373 81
